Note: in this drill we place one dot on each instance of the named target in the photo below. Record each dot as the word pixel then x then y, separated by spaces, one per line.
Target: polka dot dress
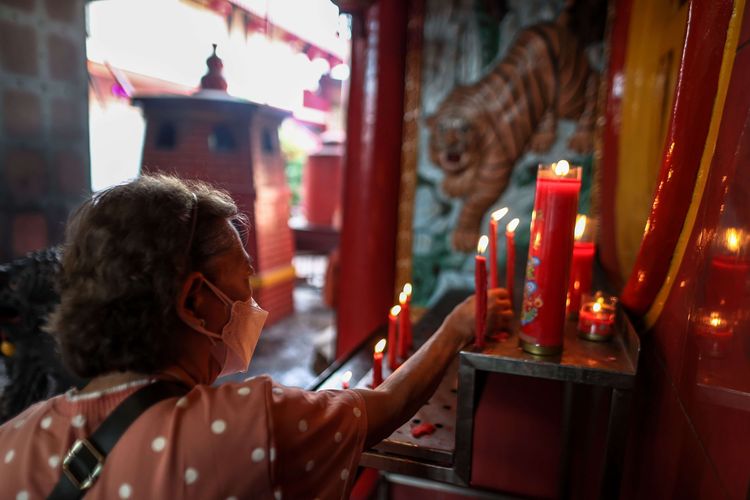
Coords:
pixel 254 439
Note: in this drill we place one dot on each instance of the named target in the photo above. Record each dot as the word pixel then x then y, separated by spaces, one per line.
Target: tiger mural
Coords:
pixel 480 130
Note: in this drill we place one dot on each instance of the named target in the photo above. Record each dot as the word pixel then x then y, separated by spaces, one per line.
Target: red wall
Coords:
pixel 692 434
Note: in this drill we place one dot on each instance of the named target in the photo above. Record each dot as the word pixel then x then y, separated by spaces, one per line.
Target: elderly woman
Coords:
pixel 155 294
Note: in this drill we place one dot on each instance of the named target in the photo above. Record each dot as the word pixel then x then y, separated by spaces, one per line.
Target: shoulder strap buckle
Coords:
pixel 82 464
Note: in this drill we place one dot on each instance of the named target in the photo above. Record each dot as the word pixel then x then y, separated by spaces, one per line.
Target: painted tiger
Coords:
pixel 480 130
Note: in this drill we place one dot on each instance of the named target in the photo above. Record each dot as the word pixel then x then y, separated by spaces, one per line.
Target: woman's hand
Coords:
pixel 499 315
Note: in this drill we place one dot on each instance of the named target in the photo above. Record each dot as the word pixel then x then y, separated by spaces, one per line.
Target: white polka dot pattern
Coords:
pixel 78 421
pixel 158 443
pixel 182 402
pixel 344 474
pixel 310 465
pixel 191 475
pixel 243 391
pixel 357 412
pixel 302 425
pixel 125 490
pixel 22 495
pixel 258 455
pixel 218 426
pixel 277 494
pixel 338 437
pixel 54 461
pixel 278 391
pixel 272 454
pixel 46 422
pixel 9 456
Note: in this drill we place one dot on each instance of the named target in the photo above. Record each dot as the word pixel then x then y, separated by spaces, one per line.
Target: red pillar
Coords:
pixel 371 171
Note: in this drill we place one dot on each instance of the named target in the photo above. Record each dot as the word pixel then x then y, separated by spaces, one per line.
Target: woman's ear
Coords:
pixel 187 298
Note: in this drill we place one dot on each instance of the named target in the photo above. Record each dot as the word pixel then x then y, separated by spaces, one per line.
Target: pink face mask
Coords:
pixel 241 333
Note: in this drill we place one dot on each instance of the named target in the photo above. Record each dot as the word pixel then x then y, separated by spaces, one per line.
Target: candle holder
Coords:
pixel 548 264
pixel 596 317
pixel 713 332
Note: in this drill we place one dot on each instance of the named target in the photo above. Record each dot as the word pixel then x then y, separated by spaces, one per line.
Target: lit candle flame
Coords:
pixel 402 298
pixel 580 226
pixel 562 167
pixel 733 239
pixel 407 289
pixel 380 346
pixel 346 377
pixel 483 242
pixel 596 307
pixel 395 311
pixel 499 214
pixel 512 225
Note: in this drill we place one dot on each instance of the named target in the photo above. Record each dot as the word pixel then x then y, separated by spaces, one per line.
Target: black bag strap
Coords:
pixel 84 461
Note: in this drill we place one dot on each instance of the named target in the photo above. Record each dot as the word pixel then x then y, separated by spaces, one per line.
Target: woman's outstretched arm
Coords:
pixel 407 389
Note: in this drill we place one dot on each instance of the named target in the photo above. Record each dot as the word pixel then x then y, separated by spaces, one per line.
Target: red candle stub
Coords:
pixel 495 217
pixel 548 264
pixel 480 285
pixel 582 264
pixel 713 333
pixel 596 318
pixel 377 364
pixel 392 337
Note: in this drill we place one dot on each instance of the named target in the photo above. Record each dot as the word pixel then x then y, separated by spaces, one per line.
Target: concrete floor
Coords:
pixel 296 349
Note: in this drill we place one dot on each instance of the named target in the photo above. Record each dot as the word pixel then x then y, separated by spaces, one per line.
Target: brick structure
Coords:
pixel 44 152
pixel 232 143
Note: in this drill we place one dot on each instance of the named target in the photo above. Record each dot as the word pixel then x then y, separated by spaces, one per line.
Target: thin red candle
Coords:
pixel 494 219
pixel 404 327
pixel 582 265
pixel 377 364
pixel 392 336
pixel 406 308
pixel 550 251
pixel 480 285
pixel 510 257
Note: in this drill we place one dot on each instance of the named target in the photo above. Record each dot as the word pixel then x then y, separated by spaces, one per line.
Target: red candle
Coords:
pixel 406 309
pixel 597 317
pixel 510 257
pixel 713 333
pixel 548 265
pixel 345 378
pixel 727 281
pixel 404 327
pixel 582 265
pixel 392 336
pixel 494 219
pixel 480 284
pixel 377 364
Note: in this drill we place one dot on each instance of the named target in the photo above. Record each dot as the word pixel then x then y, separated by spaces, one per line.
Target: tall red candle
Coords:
pixel 404 326
pixel 494 219
pixel 480 285
pixel 377 364
pixel 582 265
pixel 548 265
pixel 510 257
pixel 392 336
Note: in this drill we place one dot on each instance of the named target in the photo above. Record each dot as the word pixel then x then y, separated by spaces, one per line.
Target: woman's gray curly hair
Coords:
pixel 126 253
